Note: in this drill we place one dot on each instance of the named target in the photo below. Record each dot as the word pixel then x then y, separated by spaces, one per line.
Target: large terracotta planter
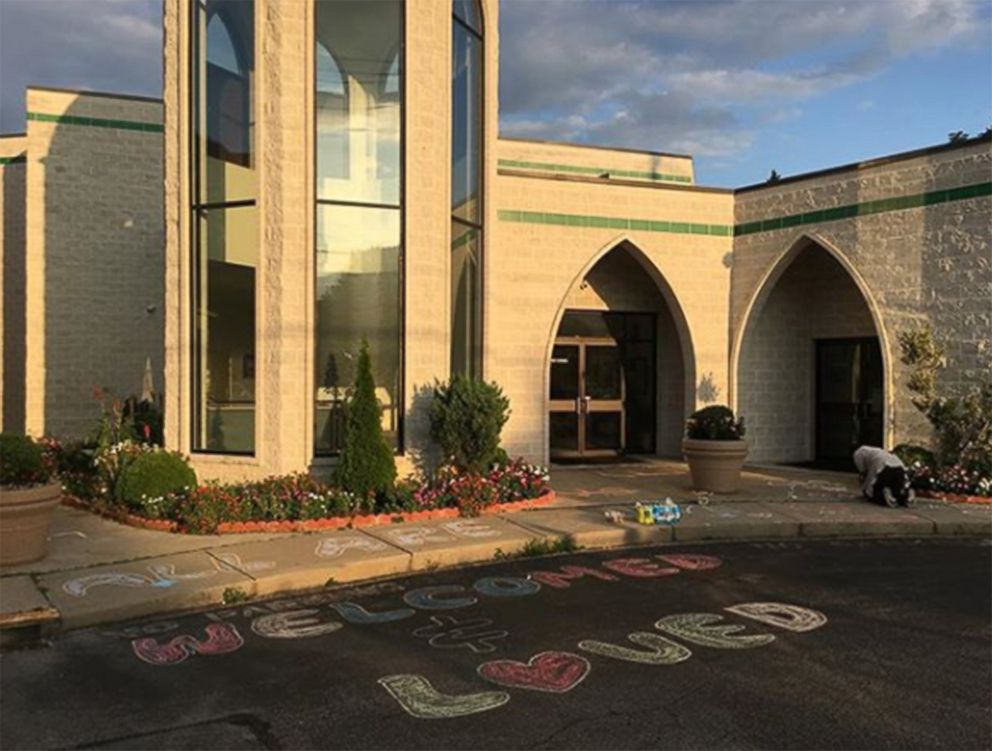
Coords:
pixel 715 465
pixel 25 516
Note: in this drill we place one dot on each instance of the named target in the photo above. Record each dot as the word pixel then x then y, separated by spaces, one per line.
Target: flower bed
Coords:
pixel 953 483
pixel 299 502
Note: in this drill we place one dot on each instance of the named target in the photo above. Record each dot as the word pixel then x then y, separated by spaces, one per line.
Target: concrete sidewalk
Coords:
pixel 100 571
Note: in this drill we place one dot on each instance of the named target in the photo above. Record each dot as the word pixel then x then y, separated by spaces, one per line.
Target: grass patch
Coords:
pixel 539 547
pixel 234 595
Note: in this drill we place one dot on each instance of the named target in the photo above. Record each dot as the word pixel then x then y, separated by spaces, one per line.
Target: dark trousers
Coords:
pixel 893 478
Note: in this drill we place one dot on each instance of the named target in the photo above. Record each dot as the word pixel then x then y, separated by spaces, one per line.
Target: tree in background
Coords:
pixel 962 424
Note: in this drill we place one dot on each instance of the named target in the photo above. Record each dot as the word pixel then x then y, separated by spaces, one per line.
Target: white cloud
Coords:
pixel 698 76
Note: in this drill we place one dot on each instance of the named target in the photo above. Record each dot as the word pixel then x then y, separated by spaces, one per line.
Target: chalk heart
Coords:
pixel 556 672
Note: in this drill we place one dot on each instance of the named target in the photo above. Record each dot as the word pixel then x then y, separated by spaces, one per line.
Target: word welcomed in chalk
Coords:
pixel 312 620
pixel 559 672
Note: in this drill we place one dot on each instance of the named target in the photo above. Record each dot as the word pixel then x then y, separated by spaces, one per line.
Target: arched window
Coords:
pixel 224 253
pixel 332 117
pixel 466 188
pixel 359 60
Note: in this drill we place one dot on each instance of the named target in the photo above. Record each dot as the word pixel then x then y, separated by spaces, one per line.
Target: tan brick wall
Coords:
pixel 535 267
pixel 594 161
pixel 12 260
pixel 94 294
pixel 912 265
pixel 813 299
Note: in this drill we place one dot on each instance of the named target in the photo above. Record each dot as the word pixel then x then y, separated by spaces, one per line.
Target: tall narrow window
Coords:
pixel 224 226
pixel 359 207
pixel 466 188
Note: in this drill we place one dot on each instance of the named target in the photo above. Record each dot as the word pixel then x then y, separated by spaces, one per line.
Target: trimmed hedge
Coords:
pixel 153 475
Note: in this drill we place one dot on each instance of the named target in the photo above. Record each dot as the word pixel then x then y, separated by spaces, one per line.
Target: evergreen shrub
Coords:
pixel 367 465
pixel 467 416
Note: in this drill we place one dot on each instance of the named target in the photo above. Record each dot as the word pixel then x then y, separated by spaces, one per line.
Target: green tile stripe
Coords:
pixel 96 122
pixel 5 160
pixel 867 208
pixel 548 167
pixel 609 222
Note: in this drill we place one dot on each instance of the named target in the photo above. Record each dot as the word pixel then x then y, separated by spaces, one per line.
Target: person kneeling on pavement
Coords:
pixel 883 477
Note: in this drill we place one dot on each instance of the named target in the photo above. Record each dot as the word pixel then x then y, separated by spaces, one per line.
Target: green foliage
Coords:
pixel 73 462
pixel 546 546
pixel 367 465
pixel 234 595
pixel 962 424
pixel 467 416
pixel 910 454
pixel 154 475
pixel 21 461
pixel 715 423
pixel 145 420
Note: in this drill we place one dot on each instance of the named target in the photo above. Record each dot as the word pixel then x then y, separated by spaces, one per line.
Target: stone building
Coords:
pixel 333 172
pixel 83 253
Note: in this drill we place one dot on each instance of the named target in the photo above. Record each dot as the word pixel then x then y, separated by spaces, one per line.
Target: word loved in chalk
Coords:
pixel 560 672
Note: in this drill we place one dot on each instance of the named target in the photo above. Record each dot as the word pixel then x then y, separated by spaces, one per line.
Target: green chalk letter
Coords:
pixel 419 698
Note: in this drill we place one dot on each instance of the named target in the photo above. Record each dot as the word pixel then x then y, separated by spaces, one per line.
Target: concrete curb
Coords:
pixel 77 598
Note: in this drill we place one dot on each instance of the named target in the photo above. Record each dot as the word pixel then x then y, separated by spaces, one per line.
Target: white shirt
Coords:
pixel 870 461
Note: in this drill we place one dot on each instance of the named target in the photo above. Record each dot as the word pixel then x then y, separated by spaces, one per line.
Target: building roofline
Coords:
pixel 607 182
pixel 869 163
pixel 101 94
pixel 595 146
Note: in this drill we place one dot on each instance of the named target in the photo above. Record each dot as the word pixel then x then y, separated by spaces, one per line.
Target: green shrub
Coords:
pixel 73 462
pixel 467 416
pixel 21 461
pixel 715 423
pixel 910 453
pixel 367 465
pixel 153 475
pixel 146 420
pixel 962 419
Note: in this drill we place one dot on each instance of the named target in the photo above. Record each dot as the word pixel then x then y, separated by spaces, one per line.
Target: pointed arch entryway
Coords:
pixel 620 364
pixel 810 364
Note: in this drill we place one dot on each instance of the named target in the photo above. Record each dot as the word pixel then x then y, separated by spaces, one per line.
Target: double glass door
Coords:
pixel 849 398
pixel 586 398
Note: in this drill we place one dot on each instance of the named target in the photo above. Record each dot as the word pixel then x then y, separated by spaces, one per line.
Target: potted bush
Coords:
pixel 715 448
pixel 27 500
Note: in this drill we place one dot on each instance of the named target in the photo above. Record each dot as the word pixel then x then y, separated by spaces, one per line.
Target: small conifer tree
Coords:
pixel 366 464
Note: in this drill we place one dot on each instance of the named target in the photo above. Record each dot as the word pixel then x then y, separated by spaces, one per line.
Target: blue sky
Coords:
pixel 743 85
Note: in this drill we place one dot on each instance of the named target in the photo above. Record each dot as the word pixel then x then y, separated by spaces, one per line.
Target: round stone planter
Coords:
pixel 25 516
pixel 715 465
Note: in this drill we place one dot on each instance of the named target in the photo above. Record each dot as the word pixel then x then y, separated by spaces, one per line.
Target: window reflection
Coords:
pixel 466 188
pixel 358 291
pixel 358 104
pixel 466 302
pixel 224 255
pixel 224 65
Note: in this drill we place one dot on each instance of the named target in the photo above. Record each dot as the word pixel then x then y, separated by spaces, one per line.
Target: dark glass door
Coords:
pixel 586 399
pixel 850 398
